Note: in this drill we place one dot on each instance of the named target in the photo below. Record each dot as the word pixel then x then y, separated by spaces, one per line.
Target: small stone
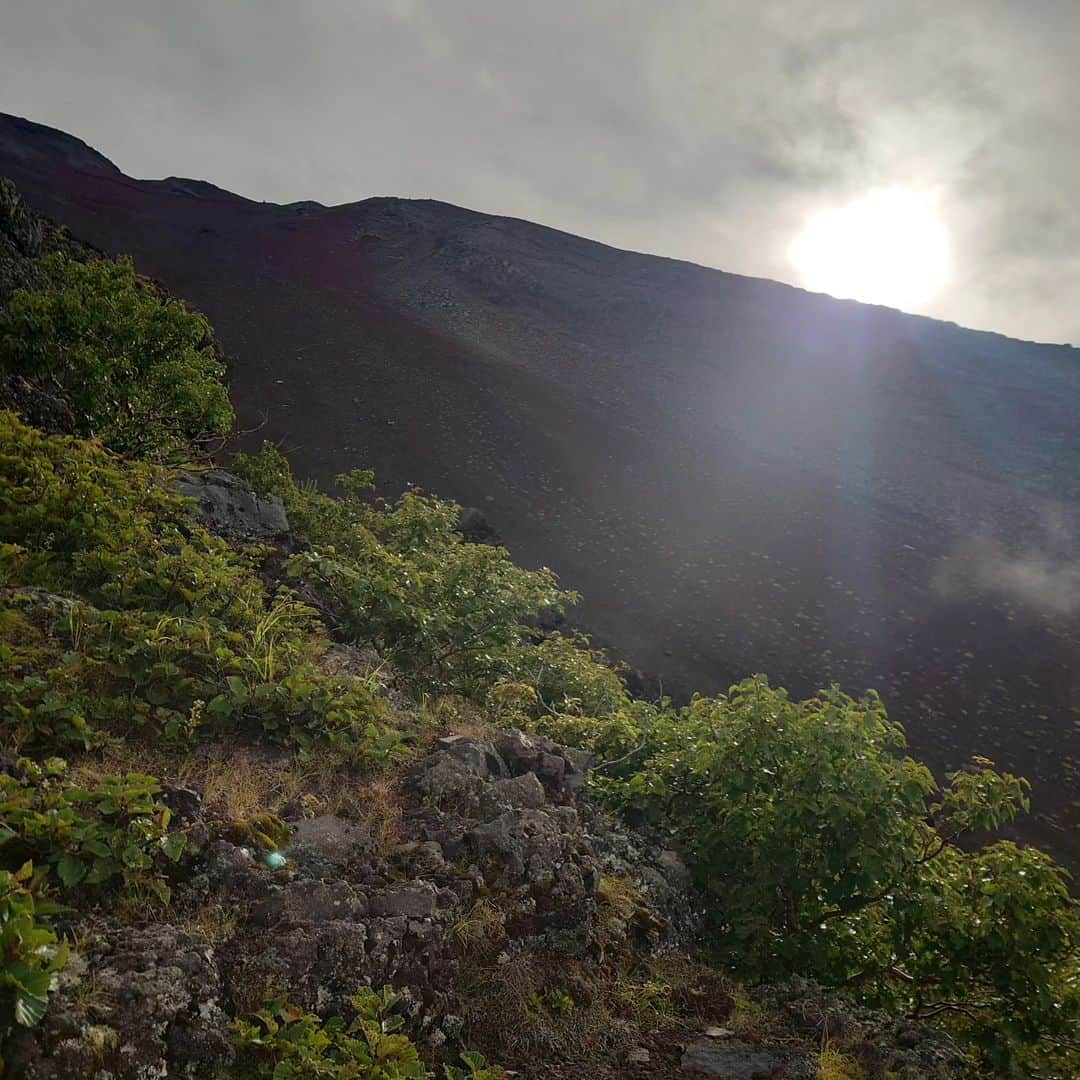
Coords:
pixel 417 901
pixel 719 1033
pixel 638 1056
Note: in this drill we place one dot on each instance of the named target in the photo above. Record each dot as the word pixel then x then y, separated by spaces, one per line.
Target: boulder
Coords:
pixel 227 506
pixel 478 757
pixel 306 901
pixel 416 900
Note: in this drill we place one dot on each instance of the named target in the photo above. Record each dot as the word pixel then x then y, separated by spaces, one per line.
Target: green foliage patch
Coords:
pixel 140 372
pixel 76 519
pixel 287 1043
pixel 824 851
pixel 30 952
pixel 449 614
pixel 185 640
pixel 114 834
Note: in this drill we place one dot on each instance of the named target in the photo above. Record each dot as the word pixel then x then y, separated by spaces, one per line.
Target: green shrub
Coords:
pixel 30 952
pixel 342 523
pixel 569 677
pixel 289 1044
pixel 185 677
pixel 825 852
pixel 43 701
pixel 177 678
pixel 74 519
pixel 112 834
pixel 141 373
pixel 447 613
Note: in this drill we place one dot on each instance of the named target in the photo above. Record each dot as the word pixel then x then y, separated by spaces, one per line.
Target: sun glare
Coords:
pixel 889 247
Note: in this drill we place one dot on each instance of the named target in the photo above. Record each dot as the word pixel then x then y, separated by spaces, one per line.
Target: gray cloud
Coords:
pixel 705 130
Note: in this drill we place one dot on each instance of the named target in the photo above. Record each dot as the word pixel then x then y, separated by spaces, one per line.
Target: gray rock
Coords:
pixel 228 506
pixel 477 756
pixel 546 855
pixel 17 222
pixel 737 1060
pixel 423 859
pixel 182 801
pixel 520 792
pixel 416 901
pixel 153 1011
pixel 561 771
pixel 329 846
pixel 302 902
pixel 233 870
pixel 446 781
pixel 318 965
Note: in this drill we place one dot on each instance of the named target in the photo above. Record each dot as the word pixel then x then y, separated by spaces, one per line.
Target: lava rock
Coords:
pixel 228 506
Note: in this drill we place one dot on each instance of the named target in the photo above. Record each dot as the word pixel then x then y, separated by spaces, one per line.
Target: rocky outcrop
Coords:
pixel 142 1003
pixel 500 866
pixel 24 229
pixel 224 504
pixel 500 823
pixel 738 1060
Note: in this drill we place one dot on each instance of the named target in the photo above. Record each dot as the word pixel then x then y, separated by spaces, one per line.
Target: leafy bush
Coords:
pixel 43 702
pixel 196 642
pixel 825 852
pixel 569 677
pixel 30 952
pixel 74 519
pixel 141 373
pixel 289 1044
pixel 178 678
pixel 114 833
pixel 447 613
pixel 184 677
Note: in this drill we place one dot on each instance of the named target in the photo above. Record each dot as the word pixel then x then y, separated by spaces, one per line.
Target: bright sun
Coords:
pixel 889 247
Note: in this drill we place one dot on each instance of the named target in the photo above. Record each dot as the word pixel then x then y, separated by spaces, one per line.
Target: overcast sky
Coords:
pixel 707 130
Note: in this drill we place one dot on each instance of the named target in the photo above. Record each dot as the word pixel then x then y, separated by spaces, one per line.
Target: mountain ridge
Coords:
pixel 201 188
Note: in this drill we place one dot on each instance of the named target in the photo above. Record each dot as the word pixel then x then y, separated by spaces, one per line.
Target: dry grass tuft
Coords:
pixel 451 715
pixel 216 921
pixel 833 1065
pixel 377 805
pixel 531 1007
pixel 480 933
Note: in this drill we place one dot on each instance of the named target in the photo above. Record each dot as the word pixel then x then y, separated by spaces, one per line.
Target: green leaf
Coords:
pixel 29 1009
pixel 71 870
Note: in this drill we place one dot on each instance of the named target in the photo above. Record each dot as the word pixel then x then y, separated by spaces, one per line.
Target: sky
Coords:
pixel 708 130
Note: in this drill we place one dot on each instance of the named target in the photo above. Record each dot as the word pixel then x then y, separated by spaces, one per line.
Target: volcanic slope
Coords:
pixel 738 475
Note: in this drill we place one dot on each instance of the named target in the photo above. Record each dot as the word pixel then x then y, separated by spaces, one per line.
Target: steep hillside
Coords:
pixel 737 475
pixel 374 763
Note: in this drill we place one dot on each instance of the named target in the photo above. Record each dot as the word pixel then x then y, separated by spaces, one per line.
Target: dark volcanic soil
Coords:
pixel 737 475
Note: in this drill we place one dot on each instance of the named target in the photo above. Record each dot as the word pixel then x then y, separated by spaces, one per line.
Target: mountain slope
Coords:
pixel 737 475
